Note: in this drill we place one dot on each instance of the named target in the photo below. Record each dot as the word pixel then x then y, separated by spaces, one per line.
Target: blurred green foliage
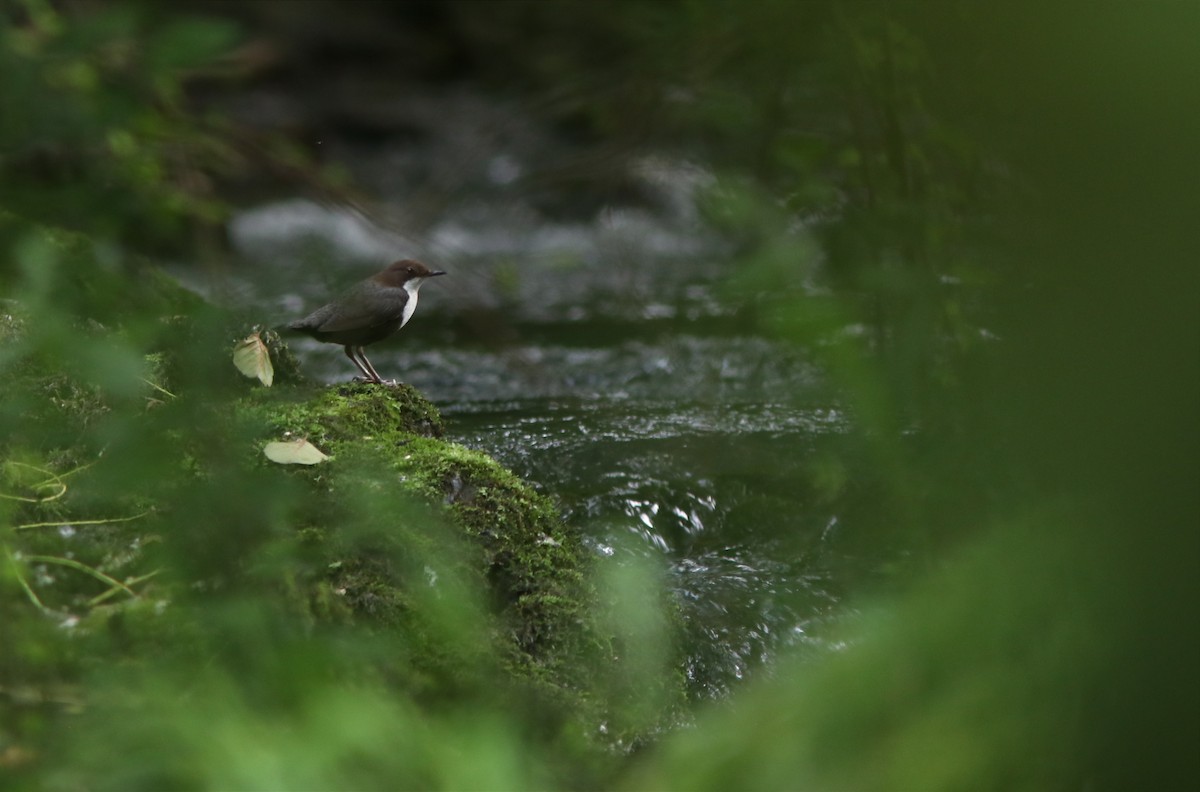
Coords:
pixel 94 127
pixel 996 204
pixel 172 611
pixel 1032 293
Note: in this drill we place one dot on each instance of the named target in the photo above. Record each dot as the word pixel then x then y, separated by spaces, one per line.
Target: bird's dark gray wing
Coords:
pixel 364 306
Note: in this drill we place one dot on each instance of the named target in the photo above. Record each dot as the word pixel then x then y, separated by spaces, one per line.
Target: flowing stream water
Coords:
pixel 601 357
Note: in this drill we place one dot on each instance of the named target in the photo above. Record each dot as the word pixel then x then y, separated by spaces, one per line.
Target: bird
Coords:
pixel 368 311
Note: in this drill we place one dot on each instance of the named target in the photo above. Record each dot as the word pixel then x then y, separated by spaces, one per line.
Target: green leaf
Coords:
pixel 252 359
pixel 294 452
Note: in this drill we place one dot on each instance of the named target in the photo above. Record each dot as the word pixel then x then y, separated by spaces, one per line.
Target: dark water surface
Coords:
pixel 707 491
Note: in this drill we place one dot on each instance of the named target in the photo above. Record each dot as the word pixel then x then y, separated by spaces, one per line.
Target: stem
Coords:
pixel 24 584
pixel 52 478
pixel 99 598
pixel 67 562
pixel 157 387
pixel 61 523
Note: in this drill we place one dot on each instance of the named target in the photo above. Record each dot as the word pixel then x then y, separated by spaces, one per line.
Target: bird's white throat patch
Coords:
pixel 410 305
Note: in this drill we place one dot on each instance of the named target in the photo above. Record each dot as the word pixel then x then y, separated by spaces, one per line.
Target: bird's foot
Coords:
pixel 373 381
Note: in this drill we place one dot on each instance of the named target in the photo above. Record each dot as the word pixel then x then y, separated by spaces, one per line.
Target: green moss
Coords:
pixel 285 364
pixel 534 563
pixel 357 413
pixel 532 566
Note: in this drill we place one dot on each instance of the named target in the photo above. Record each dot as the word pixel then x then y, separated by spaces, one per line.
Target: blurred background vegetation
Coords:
pixel 976 222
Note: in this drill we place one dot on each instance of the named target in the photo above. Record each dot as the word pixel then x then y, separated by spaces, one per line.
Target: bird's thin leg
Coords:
pixel 363 357
pixel 368 375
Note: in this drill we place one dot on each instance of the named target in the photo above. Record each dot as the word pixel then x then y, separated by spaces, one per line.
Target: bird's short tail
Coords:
pixel 290 328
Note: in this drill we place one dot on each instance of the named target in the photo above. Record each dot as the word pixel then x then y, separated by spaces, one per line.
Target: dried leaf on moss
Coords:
pixel 252 359
pixel 294 452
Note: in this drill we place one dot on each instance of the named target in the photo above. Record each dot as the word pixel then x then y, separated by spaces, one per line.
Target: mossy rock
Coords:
pixel 353 413
pixel 517 548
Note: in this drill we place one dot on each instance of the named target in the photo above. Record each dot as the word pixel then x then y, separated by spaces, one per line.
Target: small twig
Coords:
pixel 158 387
pixel 70 472
pixel 52 479
pixel 73 564
pixel 99 598
pixel 60 523
pixel 33 597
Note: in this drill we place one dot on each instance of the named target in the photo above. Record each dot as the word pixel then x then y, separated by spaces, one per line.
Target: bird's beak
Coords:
pixel 439 272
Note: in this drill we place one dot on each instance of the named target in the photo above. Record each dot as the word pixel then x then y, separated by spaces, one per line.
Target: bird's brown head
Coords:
pixel 400 272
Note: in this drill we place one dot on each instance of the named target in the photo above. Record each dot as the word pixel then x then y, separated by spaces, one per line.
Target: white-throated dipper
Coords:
pixel 369 311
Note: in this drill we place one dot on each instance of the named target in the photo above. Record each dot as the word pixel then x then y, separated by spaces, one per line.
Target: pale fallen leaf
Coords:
pixel 294 452
pixel 252 359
